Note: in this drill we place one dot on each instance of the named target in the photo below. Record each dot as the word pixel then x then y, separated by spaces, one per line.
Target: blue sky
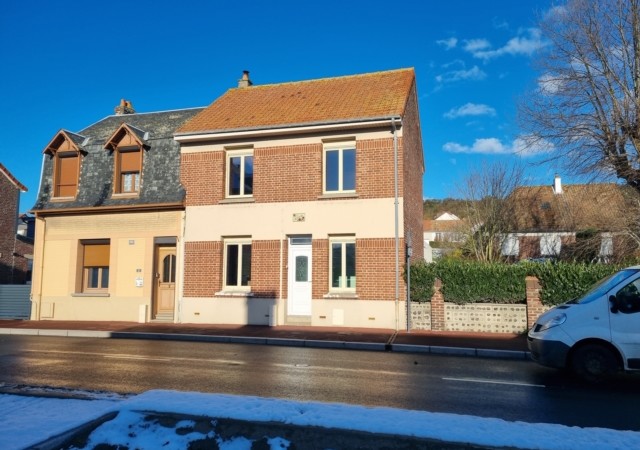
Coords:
pixel 66 64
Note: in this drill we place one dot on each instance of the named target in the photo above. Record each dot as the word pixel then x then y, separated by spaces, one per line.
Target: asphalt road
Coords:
pixel 514 390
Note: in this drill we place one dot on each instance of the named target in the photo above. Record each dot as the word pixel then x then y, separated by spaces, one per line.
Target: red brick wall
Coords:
pixel 375 167
pixel 288 174
pixel 202 269
pixel 9 198
pixel 291 173
pixel 265 268
pixel 320 267
pixel 203 177
pixel 412 176
pixel 375 269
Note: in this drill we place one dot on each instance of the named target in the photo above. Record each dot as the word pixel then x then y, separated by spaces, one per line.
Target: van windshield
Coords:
pixel 604 285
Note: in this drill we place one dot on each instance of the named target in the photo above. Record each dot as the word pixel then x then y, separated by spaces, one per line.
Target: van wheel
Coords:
pixel 593 362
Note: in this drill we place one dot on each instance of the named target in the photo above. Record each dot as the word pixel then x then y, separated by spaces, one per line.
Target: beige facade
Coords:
pixel 133 239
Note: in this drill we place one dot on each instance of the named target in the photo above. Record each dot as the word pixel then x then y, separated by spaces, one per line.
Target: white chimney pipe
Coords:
pixel 557 185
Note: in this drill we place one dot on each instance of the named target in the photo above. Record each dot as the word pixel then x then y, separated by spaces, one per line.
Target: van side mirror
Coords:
pixel 614 304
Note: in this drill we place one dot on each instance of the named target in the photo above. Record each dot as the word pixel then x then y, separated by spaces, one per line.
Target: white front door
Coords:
pixel 299 303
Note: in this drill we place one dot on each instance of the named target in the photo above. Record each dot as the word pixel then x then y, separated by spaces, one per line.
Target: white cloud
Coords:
pixel 470 109
pixel 548 84
pixel 448 44
pixel 475 73
pixel 476 45
pixel 524 146
pixel 527 43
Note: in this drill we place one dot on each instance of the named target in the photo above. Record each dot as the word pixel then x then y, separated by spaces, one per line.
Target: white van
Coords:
pixel 596 334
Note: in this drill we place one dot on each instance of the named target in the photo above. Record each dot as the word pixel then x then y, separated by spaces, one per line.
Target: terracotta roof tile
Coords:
pixel 366 96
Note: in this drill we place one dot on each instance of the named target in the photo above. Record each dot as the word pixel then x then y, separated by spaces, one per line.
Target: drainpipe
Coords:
pixel 40 268
pixel 396 223
pixel 182 245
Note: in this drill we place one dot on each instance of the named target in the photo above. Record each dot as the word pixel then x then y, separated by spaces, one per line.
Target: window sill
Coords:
pixel 340 296
pixel 126 195
pixel 61 199
pixel 237 200
pixel 338 195
pixel 234 294
pixel 88 294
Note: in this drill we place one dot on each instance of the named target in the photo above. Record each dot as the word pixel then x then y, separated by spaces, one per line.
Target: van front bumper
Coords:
pixel 548 353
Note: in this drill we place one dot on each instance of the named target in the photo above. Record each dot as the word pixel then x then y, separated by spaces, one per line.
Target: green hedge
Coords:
pixel 474 282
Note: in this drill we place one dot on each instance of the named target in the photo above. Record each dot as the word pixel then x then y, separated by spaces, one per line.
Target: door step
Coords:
pixel 163 317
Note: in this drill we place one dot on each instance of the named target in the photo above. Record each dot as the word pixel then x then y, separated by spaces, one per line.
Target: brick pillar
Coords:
pixel 534 305
pixel 437 307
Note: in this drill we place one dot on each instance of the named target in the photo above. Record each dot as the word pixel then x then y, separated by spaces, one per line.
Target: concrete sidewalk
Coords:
pixel 497 345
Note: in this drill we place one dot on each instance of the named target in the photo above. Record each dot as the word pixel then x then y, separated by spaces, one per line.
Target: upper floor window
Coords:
pixel 128 168
pixel 339 168
pixel 66 151
pixel 65 178
pixel 342 264
pixel 240 173
pixel 127 145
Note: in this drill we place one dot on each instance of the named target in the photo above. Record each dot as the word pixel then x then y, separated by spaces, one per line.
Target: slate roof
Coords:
pixel 327 100
pixel 160 170
pixel 579 207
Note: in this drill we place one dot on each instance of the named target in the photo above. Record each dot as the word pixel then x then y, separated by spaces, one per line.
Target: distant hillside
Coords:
pixel 433 208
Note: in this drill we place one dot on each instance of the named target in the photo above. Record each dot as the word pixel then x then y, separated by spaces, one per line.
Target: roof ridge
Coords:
pixel 328 78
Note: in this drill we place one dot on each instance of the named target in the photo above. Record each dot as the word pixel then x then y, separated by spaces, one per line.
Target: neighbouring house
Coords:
pixel 109 220
pixel 442 235
pixel 558 220
pixel 15 250
pixel 302 201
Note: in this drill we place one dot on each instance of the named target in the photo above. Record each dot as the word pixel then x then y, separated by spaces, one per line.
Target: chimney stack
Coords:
pixel 125 107
pixel 557 185
pixel 244 81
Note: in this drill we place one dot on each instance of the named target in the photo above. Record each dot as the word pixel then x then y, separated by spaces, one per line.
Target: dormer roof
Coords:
pixel 127 135
pixel 65 140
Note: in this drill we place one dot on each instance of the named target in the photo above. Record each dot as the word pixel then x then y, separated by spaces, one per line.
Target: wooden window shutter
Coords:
pixel 129 161
pixel 67 176
pixel 96 255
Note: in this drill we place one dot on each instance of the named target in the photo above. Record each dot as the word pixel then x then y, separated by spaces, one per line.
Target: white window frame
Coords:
pixel 550 244
pixel 242 154
pixel 344 283
pixel 511 245
pixel 238 287
pixel 340 147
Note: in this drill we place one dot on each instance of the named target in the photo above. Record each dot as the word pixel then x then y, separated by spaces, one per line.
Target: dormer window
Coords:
pixel 127 145
pixel 128 168
pixel 65 149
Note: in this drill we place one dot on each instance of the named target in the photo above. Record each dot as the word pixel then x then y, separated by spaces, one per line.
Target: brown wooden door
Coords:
pixel 165 280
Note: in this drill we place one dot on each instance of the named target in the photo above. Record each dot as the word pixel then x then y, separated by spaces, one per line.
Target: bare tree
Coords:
pixel 587 104
pixel 489 212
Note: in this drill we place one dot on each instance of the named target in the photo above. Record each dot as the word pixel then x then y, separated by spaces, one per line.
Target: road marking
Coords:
pixel 140 357
pixel 484 381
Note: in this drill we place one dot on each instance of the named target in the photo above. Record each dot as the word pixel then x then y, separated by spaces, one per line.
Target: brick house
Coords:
pixel 15 251
pixel 300 199
pixel 109 217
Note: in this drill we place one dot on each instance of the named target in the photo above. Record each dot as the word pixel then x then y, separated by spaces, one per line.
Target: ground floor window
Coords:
pixel 237 264
pixel 95 266
pixel 342 263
